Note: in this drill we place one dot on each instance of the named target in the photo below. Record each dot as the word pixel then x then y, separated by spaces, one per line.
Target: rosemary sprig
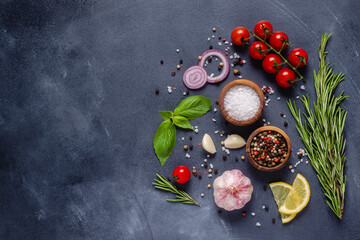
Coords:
pixel 322 131
pixel 166 185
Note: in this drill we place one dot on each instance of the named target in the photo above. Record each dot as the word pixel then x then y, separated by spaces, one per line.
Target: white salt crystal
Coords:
pixel 258 224
pixel 278 98
pixel 302 87
pixel 219 43
pixel 177 50
pixel 208 156
pixel 244 61
pixel 205 160
pixel 215 109
pixel 241 102
pixel 214 120
pixel 196 130
pixel 196 126
pixel 231 44
pixel 232 65
pixel 184 93
pixel 292 170
pixel 187 155
pixel 216 59
pixel 226 43
pixel 169 89
pixel 182 138
pixel 231 57
pixel 253 214
pixel 216 132
pixel 211 165
pixel 210 175
pixel 208 39
pixel 212 74
pixel 213 36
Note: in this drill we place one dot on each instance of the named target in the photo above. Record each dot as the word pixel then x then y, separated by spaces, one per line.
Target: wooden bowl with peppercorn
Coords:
pixel 241 102
pixel 268 148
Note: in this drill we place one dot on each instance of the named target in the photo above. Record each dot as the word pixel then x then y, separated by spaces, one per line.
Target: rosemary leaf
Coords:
pixel 322 131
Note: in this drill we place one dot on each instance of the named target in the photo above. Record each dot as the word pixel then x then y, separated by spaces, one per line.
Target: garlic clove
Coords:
pixel 234 141
pixel 208 144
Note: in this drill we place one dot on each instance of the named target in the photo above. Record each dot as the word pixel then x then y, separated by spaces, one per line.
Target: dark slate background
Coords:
pixel 78 114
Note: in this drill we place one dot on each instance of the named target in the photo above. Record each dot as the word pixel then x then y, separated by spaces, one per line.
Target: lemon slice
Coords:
pixel 298 197
pixel 280 190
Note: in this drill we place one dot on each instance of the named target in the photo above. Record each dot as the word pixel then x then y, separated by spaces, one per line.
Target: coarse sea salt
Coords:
pixel 241 102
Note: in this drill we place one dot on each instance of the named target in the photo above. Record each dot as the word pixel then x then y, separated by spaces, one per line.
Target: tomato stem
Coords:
pixel 280 55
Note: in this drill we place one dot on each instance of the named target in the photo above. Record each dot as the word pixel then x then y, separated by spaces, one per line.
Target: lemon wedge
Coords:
pixel 280 190
pixel 298 197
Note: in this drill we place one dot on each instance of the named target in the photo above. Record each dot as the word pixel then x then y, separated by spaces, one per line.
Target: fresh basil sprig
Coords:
pixel 189 108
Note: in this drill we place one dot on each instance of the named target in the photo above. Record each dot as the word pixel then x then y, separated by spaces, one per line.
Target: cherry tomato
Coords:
pixel 277 40
pixel 297 57
pixel 239 35
pixel 181 174
pixel 269 61
pixel 254 49
pixel 260 28
pixel 285 77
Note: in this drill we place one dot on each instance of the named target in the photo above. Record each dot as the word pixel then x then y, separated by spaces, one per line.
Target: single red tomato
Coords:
pixel 285 77
pixel 298 57
pixel 269 61
pixel 181 174
pixel 279 40
pixel 262 29
pixel 239 36
pixel 257 50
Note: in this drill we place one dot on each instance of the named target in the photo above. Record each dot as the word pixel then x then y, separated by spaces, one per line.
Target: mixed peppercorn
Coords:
pixel 268 148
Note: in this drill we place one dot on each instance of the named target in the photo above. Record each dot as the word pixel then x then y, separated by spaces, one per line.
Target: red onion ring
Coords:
pixel 195 77
pixel 223 58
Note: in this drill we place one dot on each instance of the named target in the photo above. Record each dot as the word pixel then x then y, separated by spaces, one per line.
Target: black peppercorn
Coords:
pixel 187 92
pixel 219 212
pixel 209 59
pixel 181 61
pixel 190 137
pixel 191 147
pixel 215 171
pixel 265 187
pixel 286 123
pixel 210 47
pixel 266 208
pixel 282 114
pixel 273 220
pixel 205 165
pixel 199 176
pixel 236 159
pixel 156 91
pixel 217 101
pixel 173 73
pixel 224 157
pixel 161 61
pixel 219 68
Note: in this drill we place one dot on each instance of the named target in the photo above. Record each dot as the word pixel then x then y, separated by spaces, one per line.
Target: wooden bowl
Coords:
pixel 252 161
pixel 253 86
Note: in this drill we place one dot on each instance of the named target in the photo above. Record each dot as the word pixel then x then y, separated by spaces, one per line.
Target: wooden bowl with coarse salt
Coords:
pixel 241 102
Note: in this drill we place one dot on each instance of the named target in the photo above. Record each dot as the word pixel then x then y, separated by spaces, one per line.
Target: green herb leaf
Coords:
pixel 193 107
pixel 164 140
pixel 166 114
pixel 182 122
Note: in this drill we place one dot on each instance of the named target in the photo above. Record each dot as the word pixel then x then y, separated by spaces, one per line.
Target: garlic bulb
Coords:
pixel 232 190
pixel 208 144
pixel 234 141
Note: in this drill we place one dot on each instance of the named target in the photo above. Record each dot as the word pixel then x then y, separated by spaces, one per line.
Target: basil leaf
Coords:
pixel 166 114
pixel 164 140
pixel 182 122
pixel 193 107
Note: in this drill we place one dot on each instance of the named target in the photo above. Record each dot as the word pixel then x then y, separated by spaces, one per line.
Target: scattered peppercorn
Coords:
pixel 267 208
pixel 210 170
pixel 191 147
pixel 224 157
pixel 266 95
pixel 173 73
pixel 187 92
pixel 214 29
pixel 219 36
pixel 217 101
pixel 205 165
pixel 219 212
pixel 161 61
pixel 185 147
pixel 222 132
pixel 286 123
pixel 222 143
pixel 227 53
pixel 156 91
pixel 300 154
pixel 273 220
pixel 265 187
pixel 211 47
pixel 215 171
pixel 194 171
pixel 224 40
pixel 236 72
pixel 199 175
pixel 282 114
pixel 181 61
pixel 243 158
pixel 236 159
pixel 178 67
pixel 190 137
pixel 219 68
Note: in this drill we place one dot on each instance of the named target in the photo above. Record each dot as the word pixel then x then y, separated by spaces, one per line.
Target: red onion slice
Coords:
pixel 223 58
pixel 195 77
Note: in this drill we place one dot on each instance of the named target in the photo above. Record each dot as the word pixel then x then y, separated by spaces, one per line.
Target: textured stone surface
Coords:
pixel 78 113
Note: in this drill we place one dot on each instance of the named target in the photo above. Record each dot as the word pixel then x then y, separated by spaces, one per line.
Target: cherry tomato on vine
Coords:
pixel 269 61
pixel 261 27
pixel 239 35
pixel 298 57
pixel 181 174
pixel 285 77
pixel 278 39
pixel 257 50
